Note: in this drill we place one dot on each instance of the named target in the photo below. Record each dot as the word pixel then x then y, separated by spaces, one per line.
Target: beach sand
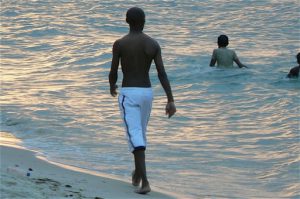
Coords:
pixel 52 180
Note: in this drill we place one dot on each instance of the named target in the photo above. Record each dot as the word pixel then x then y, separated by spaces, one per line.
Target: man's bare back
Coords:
pixel 136 50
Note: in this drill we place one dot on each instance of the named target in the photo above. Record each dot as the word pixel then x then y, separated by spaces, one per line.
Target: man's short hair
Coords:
pixel 298 58
pixel 135 17
pixel 223 41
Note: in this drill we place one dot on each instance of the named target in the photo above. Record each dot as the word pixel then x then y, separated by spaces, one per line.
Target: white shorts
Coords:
pixel 135 106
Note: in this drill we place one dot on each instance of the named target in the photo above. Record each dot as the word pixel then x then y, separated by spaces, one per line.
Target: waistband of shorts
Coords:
pixel 136 89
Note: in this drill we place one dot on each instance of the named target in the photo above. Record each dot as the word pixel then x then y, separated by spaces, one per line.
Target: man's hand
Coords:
pixel 113 90
pixel 170 109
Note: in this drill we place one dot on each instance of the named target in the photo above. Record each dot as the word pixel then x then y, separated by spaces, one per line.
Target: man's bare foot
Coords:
pixel 135 180
pixel 144 190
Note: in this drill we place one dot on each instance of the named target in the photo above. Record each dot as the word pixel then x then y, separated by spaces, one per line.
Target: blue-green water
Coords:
pixel 236 132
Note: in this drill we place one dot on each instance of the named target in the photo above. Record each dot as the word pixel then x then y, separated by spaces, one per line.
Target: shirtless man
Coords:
pixel 224 56
pixel 136 51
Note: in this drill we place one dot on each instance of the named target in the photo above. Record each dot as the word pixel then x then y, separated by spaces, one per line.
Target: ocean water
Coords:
pixel 236 132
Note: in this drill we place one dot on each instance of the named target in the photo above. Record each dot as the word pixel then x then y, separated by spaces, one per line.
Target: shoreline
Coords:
pixel 54 180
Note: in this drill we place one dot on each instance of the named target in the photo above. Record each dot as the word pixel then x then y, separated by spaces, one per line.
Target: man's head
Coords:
pixel 223 41
pixel 298 58
pixel 135 17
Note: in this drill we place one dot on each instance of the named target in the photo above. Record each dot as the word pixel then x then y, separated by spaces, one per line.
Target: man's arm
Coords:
pixel 213 59
pixel 212 62
pixel 237 61
pixel 113 74
pixel 163 78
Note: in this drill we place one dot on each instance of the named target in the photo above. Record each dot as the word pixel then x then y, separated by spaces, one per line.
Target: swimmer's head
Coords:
pixel 223 41
pixel 298 58
pixel 135 17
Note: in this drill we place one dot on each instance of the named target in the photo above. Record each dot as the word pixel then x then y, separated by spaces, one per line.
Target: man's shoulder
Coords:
pixel 223 50
pixel 295 69
pixel 230 52
pixel 151 42
pixel 125 37
pixel 129 37
pixel 118 42
pixel 294 72
pixel 149 38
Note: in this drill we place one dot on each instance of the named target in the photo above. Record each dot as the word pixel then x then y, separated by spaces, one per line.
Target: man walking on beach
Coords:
pixel 136 51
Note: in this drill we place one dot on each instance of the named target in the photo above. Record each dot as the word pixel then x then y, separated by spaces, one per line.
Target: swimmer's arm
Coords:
pixel 113 74
pixel 212 62
pixel 237 61
pixel 213 59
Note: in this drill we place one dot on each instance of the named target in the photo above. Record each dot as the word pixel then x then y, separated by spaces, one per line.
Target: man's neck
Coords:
pixel 134 29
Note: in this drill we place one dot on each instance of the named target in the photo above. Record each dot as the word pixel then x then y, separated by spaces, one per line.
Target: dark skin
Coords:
pixel 136 51
pixel 294 72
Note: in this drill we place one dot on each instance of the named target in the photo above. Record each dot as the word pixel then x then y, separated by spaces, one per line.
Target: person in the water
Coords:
pixel 223 56
pixel 294 72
